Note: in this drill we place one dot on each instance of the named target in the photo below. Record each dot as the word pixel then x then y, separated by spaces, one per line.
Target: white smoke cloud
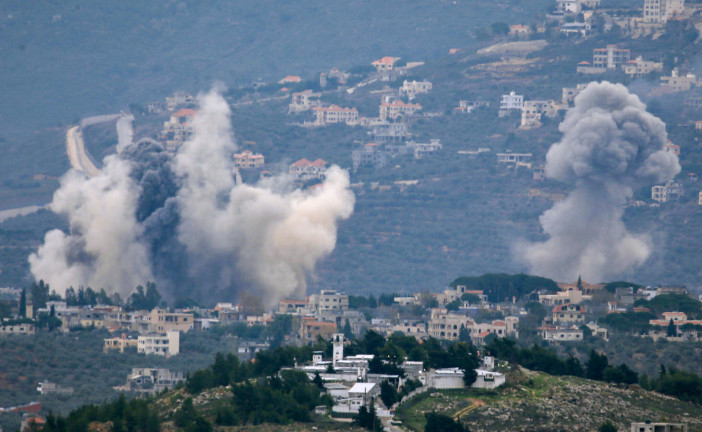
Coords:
pixel 264 238
pixel 610 145
pixel 102 249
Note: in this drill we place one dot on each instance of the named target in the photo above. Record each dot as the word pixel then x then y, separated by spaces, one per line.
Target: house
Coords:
pixel 444 325
pixel 426 149
pixel 673 148
pixel 167 344
pixel 450 378
pixel 393 110
pixel 303 101
pixel 305 169
pixel 677 83
pixel 598 331
pixel 161 321
pixel 412 88
pixel 539 174
pixel 290 306
pixel 118 343
pixel 293 79
pixel 385 64
pixel 418 329
pixel 16 329
pixel 568 314
pixel 312 329
pixel 519 31
pixel 151 380
pixel 667 192
pixel 247 159
pixel 515 159
pixel 511 101
pixel 660 11
pixel 533 110
pixel 370 155
pixel 339 76
pixel 610 57
pixel 178 129
pixel 488 380
pixel 639 67
pixel 179 98
pixel 329 300
pixel 554 335
pixel 334 114
pixel 587 288
pixel 569 93
pixel 47 387
pixel 568 6
pixel 575 28
pixel 570 295
pixel 467 106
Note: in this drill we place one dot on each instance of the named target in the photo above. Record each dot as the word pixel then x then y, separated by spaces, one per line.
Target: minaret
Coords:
pixel 338 343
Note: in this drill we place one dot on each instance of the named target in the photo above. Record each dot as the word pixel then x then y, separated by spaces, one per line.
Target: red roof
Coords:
pixel 290 78
pixel 385 60
pixel 185 112
pixel 305 162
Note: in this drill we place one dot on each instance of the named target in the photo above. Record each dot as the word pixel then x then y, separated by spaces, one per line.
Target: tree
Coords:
pixel 23 304
pixel 464 335
pixel 367 419
pixel 672 331
pixel 372 302
pixel 318 381
pixel 442 423
pixel 40 294
pixel 607 426
pixel 596 365
pixel 348 333
pixel 388 393
pixel 499 28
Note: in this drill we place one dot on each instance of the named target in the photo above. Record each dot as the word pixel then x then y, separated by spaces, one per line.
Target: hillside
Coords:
pixel 534 401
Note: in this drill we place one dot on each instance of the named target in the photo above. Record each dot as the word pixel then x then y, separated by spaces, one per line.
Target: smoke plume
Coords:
pixel 610 146
pixel 184 222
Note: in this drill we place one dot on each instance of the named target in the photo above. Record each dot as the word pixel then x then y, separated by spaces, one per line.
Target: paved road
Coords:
pixel 75 148
pixel 125 132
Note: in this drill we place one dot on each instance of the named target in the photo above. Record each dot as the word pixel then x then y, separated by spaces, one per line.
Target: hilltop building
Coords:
pixel 669 191
pixel 304 169
pixel 660 11
pixel 385 64
pixel 334 114
pixel 610 57
pixel 303 101
pixel 444 325
pixel 397 108
pixel 151 380
pixel 412 88
pixel 639 67
pixel 167 344
pixel 511 101
pixel 370 155
pixel 247 159
pixel 676 83
pixel 533 110
pixel 422 150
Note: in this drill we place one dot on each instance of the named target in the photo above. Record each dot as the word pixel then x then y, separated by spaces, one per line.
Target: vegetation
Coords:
pixel 503 287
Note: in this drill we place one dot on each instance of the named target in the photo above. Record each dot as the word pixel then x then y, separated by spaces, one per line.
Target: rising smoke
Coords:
pixel 184 222
pixel 610 146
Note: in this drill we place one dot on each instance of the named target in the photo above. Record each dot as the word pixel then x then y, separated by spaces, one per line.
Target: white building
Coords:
pixel 151 380
pixel 426 149
pixel 677 83
pixel 640 67
pixel 554 335
pixel 335 114
pixel 450 378
pixel 533 110
pixel 667 192
pixel 305 169
pixel 488 379
pixel 370 155
pixel 511 101
pixel 329 300
pixel 303 101
pixel 515 159
pixel 610 57
pixel 660 11
pixel 163 344
pixel 413 88
pixel 647 426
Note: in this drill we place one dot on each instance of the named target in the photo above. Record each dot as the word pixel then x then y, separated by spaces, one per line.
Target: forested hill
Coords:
pixel 63 60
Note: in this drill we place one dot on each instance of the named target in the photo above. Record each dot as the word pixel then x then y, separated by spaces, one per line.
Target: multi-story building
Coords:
pixel 385 64
pixel 303 101
pixel 427 149
pixel 179 98
pixel 412 88
pixel 329 300
pixel 516 159
pixel 610 57
pixel 393 110
pixel 16 329
pixel 291 306
pixel 305 169
pixel 335 114
pixel 369 155
pixel 568 314
pixel 118 343
pixel 667 192
pixel 647 426
pixel 511 101
pixel 570 295
pixel 311 329
pixel 161 321
pixel 533 110
pixel 660 11
pixel 639 67
pixel 554 335
pixel 468 106
pixel 178 129
pixel 151 380
pixel 677 83
pixel 167 344
pixel 444 325
pixel 247 159
pixel 569 93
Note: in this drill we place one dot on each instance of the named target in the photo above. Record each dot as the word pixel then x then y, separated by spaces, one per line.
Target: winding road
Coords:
pixel 75 148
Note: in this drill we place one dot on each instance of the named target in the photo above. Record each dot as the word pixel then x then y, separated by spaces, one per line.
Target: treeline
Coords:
pixel 500 287
pixel 638 322
pixel 132 415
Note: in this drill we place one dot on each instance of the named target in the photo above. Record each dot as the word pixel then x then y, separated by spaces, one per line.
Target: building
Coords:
pixel 539 174
pixel 647 426
pixel 178 129
pixel 370 155
pixel 329 300
pixel 450 378
pixel 179 98
pixel 118 343
pixel 290 79
pixel 554 335
pixel 568 314
pixel 468 106
pixel 639 67
pixel 515 159
pixel 444 325
pixel 161 321
pixel 312 329
pixel 290 306
pixel 46 387
pixel 533 110
pixel 660 11
pixel 569 93
pixel 610 57
pixel 397 108
pixel 16 329
pixel 568 6
pixel 511 101
pixel 412 88
pixel 488 380
pixel 151 380
pixel 674 148
pixel 677 83
pixel 305 169
pixel 667 192
pixel 426 149
pixel 303 101
pixel 167 344
pixel 570 295
pixel 385 64
pixel 247 159
pixel 334 114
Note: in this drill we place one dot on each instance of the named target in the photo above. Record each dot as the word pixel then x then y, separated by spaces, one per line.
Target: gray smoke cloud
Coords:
pixel 184 222
pixel 610 146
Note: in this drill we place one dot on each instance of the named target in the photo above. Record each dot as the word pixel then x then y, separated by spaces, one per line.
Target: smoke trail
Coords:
pixel 610 145
pixel 186 223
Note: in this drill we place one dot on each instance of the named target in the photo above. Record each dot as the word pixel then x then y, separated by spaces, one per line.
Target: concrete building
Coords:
pixel 511 101
pixel 660 11
pixel 334 114
pixel 570 295
pixel 397 108
pixel 167 344
pixel 610 57
pixel 669 191
pixel 554 335
pixel 329 300
pixel 444 325
pixel 311 329
pixel 161 321
pixel 468 106
pixel 46 387
pixel 647 426
pixel 385 64
pixel 677 83
pixel 568 314
pixel 304 169
pixel 247 159
pixel 533 110
pixel 118 343
pixel 639 67
pixel 515 159
pixel 488 379
pixel 569 94
pixel 450 378
pixel 151 380
pixel 422 150
pixel 303 101
pixel 16 329
pixel 370 155
pixel 412 88
pixel 179 98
